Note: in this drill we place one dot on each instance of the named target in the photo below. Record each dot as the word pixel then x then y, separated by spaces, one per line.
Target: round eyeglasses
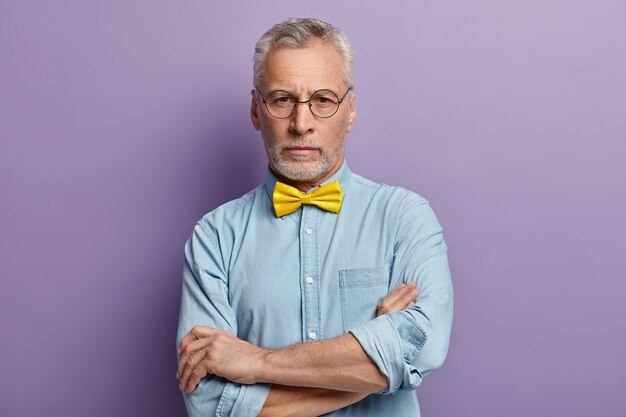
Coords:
pixel 282 104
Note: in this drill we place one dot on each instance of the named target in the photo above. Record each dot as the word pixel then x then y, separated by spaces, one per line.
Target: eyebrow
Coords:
pixel 309 92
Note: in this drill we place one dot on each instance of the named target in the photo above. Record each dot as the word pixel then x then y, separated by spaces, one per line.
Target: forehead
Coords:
pixel 316 66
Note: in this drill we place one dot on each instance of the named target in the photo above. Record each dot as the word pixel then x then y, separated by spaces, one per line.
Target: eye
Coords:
pixel 324 98
pixel 280 98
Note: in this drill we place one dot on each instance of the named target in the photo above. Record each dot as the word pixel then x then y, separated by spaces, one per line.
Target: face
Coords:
pixel 303 148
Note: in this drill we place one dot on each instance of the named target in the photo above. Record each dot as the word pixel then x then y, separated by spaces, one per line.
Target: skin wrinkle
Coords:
pixel 328 158
pixel 302 71
pixel 309 378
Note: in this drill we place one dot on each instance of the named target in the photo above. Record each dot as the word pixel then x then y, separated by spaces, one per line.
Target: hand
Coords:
pixel 401 297
pixel 206 350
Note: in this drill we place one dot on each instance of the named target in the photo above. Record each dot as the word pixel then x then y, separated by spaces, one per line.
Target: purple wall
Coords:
pixel 122 122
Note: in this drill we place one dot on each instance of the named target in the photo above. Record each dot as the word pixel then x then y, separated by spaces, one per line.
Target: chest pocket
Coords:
pixel 361 290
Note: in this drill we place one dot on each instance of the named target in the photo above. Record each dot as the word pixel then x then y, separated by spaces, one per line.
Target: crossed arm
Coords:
pixel 307 379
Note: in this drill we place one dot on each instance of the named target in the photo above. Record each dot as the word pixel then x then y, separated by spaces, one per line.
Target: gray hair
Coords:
pixel 296 33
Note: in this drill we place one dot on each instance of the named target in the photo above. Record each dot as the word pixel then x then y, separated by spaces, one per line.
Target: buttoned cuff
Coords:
pixel 392 341
pixel 242 400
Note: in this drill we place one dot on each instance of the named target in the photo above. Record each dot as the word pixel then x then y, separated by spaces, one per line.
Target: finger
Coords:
pixel 195 361
pixel 389 302
pixel 409 299
pixel 393 296
pixel 190 337
pixel 190 350
pixel 198 373
pixel 195 333
pixel 405 301
pixel 197 344
pixel 396 292
pixel 398 288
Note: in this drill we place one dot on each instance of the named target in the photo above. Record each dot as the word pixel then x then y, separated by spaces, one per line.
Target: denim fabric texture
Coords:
pixel 314 275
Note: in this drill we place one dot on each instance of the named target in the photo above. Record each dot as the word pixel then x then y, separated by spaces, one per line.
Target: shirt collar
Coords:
pixel 343 175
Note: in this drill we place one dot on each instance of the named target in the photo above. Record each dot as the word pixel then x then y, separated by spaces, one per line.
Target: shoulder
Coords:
pixel 233 213
pixel 405 211
pixel 397 198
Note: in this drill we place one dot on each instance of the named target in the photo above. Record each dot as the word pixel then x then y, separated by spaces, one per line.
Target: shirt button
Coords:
pixel 308 230
pixel 312 335
pixel 309 280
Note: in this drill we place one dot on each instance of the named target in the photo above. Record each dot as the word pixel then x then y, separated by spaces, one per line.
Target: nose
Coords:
pixel 302 119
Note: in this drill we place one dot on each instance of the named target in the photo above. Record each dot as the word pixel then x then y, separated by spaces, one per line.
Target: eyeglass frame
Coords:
pixel 297 102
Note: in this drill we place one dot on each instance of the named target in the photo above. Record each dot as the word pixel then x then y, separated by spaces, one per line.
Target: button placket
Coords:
pixel 308 271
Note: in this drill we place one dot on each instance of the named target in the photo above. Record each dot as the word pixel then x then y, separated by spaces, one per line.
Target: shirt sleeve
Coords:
pixel 408 344
pixel 205 302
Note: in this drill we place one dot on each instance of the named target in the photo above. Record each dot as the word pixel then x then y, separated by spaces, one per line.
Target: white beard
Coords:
pixel 297 168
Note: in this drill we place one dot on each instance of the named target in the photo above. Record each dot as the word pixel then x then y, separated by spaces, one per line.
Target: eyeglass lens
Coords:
pixel 323 103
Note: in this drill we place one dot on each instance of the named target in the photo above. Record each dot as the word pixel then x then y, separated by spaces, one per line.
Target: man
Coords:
pixel 281 309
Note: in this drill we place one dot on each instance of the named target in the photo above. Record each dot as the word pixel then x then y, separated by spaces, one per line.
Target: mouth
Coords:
pixel 301 150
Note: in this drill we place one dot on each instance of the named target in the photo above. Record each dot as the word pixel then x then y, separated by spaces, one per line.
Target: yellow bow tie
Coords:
pixel 287 199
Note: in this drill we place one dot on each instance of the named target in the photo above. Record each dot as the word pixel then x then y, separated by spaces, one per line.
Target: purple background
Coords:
pixel 122 122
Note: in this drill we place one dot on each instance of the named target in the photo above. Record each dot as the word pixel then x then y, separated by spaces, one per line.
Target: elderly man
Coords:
pixel 286 305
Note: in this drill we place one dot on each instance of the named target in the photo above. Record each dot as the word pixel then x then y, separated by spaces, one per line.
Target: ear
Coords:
pixel 352 114
pixel 254 112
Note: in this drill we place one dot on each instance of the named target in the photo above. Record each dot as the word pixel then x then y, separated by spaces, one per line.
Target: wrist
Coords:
pixel 264 367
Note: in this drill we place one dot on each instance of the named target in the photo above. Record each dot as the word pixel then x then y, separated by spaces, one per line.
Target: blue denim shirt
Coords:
pixel 313 275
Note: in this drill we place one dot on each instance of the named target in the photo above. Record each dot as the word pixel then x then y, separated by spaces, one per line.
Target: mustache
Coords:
pixel 298 141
